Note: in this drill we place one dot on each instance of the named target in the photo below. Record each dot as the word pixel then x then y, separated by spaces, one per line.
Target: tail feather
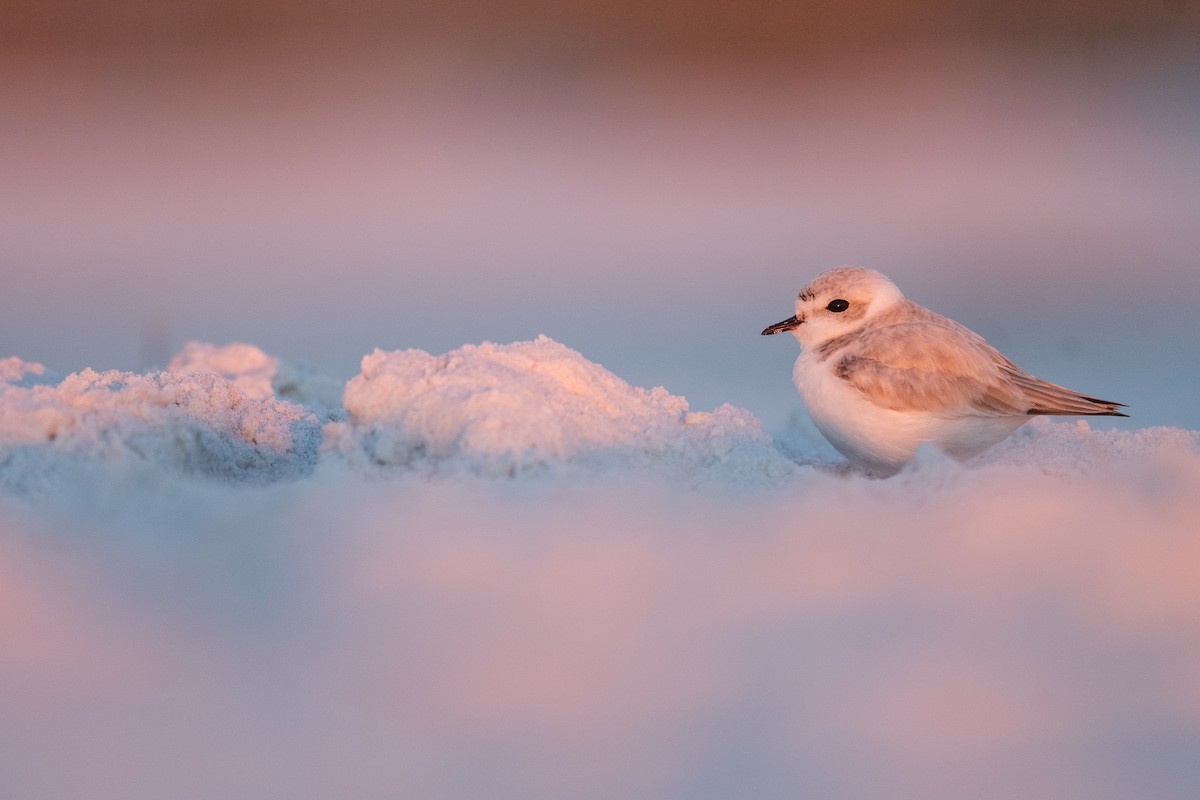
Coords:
pixel 1050 398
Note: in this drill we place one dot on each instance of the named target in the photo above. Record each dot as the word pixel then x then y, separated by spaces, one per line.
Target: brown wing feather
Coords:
pixel 1050 398
pixel 930 365
pixel 935 364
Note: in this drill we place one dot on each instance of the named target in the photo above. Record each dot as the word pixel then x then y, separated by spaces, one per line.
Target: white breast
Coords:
pixel 879 439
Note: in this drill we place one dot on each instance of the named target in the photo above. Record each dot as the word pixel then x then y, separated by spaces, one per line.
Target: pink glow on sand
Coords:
pixel 600 640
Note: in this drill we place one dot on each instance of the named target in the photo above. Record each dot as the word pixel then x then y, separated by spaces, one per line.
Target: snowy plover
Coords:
pixel 880 375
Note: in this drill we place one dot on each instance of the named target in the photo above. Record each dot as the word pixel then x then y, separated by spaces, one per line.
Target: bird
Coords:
pixel 881 375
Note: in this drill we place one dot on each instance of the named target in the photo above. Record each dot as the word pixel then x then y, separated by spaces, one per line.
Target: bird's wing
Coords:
pixel 932 365
pixel 940 366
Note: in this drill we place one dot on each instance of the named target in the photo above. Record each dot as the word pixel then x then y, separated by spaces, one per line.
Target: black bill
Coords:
pixel 780 327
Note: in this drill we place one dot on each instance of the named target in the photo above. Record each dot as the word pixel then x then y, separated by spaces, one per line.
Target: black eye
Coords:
pixel 837 306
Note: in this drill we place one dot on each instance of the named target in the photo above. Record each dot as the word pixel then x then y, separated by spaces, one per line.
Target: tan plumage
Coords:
pixel 919 360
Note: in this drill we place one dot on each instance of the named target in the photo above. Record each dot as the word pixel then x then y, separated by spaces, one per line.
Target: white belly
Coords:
pixel 879 439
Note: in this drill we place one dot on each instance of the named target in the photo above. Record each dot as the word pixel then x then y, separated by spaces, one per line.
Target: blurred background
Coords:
pixel 649 184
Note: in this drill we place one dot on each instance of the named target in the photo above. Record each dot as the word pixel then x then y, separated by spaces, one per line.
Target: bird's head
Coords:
pixel 837 302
